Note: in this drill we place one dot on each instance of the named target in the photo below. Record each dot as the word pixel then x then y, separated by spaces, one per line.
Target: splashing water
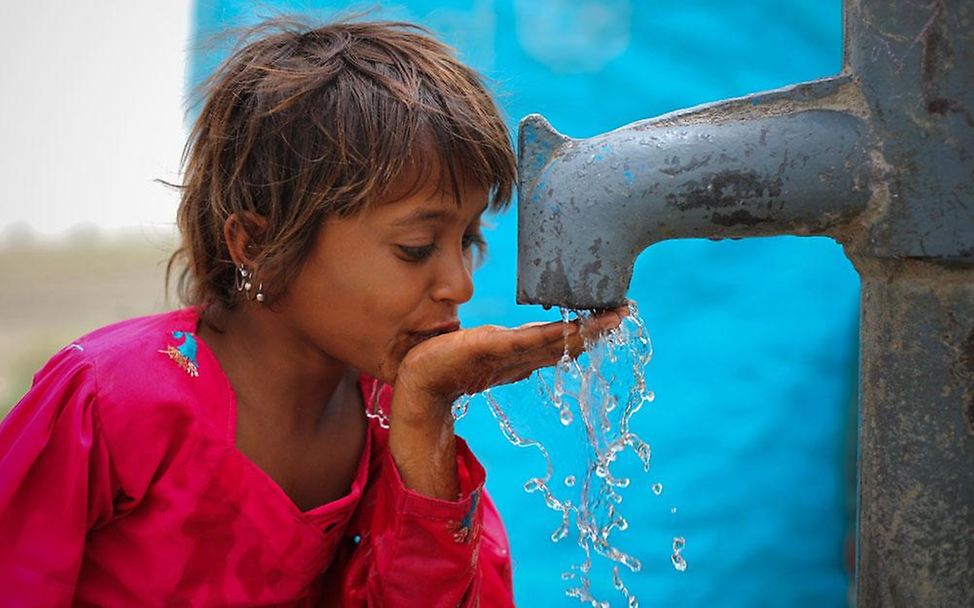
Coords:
pixel 678 562
pixel 597 404
pixel 460 407
pixel 373 410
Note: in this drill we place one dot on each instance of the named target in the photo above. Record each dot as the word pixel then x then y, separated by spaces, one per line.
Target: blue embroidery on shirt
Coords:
pixel 464 531
pixel 184 354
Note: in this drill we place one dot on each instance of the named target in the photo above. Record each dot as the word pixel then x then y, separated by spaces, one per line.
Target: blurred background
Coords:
pixel 753 428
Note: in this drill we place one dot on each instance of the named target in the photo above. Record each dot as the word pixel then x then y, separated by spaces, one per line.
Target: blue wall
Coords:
pixel 754 339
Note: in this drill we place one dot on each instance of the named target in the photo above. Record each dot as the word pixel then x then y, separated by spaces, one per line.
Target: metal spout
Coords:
pixel 587 208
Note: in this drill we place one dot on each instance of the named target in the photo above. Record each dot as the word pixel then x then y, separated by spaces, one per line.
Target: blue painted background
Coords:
pixel 754 339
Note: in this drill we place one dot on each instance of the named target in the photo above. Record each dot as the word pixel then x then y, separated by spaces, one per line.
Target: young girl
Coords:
pixel 287 437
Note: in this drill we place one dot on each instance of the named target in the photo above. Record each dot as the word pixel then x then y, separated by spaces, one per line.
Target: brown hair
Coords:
pixel 300 123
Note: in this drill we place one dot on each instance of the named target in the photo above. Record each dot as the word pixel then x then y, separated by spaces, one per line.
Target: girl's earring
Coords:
pixel 241 278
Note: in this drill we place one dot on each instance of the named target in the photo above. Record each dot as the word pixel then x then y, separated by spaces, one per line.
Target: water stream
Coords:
pixel 594 399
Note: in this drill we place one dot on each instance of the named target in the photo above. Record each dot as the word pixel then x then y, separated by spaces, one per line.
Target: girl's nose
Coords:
pixel 454 278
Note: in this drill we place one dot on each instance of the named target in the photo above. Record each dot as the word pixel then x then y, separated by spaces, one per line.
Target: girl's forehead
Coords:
pixel 431 204
pixel 432 174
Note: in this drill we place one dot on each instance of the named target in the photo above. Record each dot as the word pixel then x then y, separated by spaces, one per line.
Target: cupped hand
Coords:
pixel 444 367
pixel 438 370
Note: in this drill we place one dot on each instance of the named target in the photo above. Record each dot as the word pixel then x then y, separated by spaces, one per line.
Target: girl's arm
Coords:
pixel 439 541
pixel 55 483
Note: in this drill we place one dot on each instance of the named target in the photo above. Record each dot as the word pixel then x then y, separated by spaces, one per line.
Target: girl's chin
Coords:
pixel 385 371
pixel 386 364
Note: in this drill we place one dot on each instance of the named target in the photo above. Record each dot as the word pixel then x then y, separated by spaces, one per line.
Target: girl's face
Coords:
pixel 380 282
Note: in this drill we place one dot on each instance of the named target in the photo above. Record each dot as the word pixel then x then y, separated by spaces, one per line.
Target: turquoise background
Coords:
pixel 755 339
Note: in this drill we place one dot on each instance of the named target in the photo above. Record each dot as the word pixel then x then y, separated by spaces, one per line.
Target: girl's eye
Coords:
pixel 417 254
pixel 420 253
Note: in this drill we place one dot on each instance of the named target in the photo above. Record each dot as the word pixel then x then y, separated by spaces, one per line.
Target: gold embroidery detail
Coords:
pixel 187 366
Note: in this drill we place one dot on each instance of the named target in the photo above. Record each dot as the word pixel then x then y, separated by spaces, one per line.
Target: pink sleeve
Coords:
pixel 55 483
pixel 424 552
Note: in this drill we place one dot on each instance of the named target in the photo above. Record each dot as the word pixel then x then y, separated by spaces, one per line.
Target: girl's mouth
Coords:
pixel 421 336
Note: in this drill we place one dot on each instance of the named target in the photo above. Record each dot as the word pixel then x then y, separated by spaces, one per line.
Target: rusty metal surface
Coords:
pixel 916 465
pixel 588 207
pixel 914 61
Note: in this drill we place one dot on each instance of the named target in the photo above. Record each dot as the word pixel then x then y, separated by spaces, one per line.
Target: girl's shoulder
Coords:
pixel 117 409
pixel 137 340
pixel 148 377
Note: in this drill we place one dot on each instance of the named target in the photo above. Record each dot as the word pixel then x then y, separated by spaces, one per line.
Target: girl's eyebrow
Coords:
pixel 428 216
pixel 423 216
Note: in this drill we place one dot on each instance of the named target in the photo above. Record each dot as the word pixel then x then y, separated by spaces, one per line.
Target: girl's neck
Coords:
pixel 277 377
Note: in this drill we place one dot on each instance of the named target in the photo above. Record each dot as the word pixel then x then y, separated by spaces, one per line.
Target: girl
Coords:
pixel 287 437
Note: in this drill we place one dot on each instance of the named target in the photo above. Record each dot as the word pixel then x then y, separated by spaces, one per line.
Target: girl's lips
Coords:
pixel 419 336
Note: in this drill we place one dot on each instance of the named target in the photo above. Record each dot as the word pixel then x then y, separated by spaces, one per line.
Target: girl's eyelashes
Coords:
pixel 418 253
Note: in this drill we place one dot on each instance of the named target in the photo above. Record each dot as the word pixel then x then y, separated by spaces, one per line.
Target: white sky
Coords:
pixel 91 111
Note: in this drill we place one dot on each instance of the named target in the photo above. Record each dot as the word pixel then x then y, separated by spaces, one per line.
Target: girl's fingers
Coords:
pixel 525 339
pixel 544 356
pixel 490 355
pixel 551 339
pixel 513 354
pixel 605 321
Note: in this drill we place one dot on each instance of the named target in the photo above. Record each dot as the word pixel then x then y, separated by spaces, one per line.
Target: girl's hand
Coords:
pixel 469 361
pixel 437 371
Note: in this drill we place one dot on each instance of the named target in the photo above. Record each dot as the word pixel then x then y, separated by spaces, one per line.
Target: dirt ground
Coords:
pixel 52 293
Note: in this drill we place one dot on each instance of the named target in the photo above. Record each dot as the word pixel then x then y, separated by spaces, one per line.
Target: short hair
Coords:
pixel 302 122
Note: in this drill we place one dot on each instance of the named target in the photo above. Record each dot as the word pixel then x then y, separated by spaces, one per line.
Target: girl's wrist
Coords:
pixel 417 408
pixel 416 404
pixel 423 446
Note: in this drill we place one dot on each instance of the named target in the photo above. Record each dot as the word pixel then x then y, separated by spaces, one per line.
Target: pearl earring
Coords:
pixel 243 280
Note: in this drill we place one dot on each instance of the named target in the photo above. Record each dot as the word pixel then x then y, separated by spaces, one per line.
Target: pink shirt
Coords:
pixel 120 485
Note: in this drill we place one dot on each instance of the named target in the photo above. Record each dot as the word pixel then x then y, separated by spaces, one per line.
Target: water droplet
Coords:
pixel 678 562
pixel 616 579
pixel 565 415
pixel 561 532
pixel 460 407
pixel 657 488
pixel 570 481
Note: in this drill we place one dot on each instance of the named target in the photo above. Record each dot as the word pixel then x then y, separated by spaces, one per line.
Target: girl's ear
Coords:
pixel 243 234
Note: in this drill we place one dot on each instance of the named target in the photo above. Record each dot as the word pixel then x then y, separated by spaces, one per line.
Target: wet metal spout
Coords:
pixel 881 158
pixel 587 208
